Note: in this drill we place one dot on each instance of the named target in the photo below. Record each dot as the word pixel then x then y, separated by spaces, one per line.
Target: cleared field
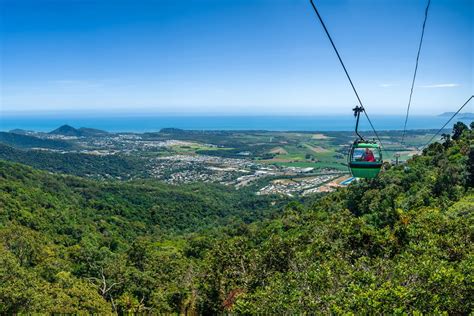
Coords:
pixel 319 136
pixel 306 149
pixel 316 165
pixel 316 149
pixel 279 151
pixel 192 148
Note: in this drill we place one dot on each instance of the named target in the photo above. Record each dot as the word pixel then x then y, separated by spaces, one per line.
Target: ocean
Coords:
pixel 271 123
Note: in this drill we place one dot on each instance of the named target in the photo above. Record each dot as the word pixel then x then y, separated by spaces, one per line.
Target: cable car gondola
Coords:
pixel 365 156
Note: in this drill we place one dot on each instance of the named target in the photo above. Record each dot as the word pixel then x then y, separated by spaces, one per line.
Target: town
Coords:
pixel 308 164
pixel 270 163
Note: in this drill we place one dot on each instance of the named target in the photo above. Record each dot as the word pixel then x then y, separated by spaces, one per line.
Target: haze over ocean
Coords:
pixel 141 123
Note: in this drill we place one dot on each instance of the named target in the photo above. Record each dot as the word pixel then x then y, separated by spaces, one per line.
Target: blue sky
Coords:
pixel 232 57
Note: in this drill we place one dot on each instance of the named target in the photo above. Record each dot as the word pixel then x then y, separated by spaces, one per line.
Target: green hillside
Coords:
pixel 27 141
pixel 84 165
pixel 401 243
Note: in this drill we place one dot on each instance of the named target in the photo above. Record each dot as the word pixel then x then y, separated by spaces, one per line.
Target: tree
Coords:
pixel 458 129
pixel 446 140
pixel 470 167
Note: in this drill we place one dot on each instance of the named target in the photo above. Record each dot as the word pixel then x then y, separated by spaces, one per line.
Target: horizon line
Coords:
pixel 118 113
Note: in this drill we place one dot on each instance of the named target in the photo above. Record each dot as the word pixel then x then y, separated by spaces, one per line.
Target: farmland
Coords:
pixel 174 156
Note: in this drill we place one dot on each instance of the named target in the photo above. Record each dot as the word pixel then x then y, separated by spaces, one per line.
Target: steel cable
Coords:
pixel 346 72
pixel 416 69
pixel 456 113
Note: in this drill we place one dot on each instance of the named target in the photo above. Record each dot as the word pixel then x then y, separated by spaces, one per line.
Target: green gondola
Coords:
pixel 361 168
pixel 365 157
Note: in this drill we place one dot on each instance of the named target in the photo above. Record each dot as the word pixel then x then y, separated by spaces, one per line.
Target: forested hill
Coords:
pixel 400 243
pixel 27 141
pixel 65 205
pixel 80 164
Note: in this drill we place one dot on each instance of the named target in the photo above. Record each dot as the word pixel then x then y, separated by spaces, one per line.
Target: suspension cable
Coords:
pixel 456 113
pixel 345 70
pixel 416 69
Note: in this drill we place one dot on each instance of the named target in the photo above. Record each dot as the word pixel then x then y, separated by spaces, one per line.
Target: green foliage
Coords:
pixel 109 167
pixel 398 244
pixel 458 129
pixel 27 141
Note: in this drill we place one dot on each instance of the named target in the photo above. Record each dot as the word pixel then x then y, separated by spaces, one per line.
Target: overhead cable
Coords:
pixel 416 69
pixel 455 113
pixel 346 72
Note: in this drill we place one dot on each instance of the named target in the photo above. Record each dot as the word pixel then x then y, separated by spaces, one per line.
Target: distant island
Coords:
pixel 462 116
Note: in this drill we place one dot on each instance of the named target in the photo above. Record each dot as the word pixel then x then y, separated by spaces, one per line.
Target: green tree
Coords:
pixel 458 129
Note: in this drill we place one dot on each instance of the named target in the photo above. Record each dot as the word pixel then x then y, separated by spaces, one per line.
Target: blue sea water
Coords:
pixel 272 123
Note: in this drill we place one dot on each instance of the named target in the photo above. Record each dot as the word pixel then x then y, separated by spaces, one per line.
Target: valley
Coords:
pixel 285 163
pixel 185 223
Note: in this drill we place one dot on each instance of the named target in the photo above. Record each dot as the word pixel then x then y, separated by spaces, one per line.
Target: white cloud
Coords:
pixel 440 85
